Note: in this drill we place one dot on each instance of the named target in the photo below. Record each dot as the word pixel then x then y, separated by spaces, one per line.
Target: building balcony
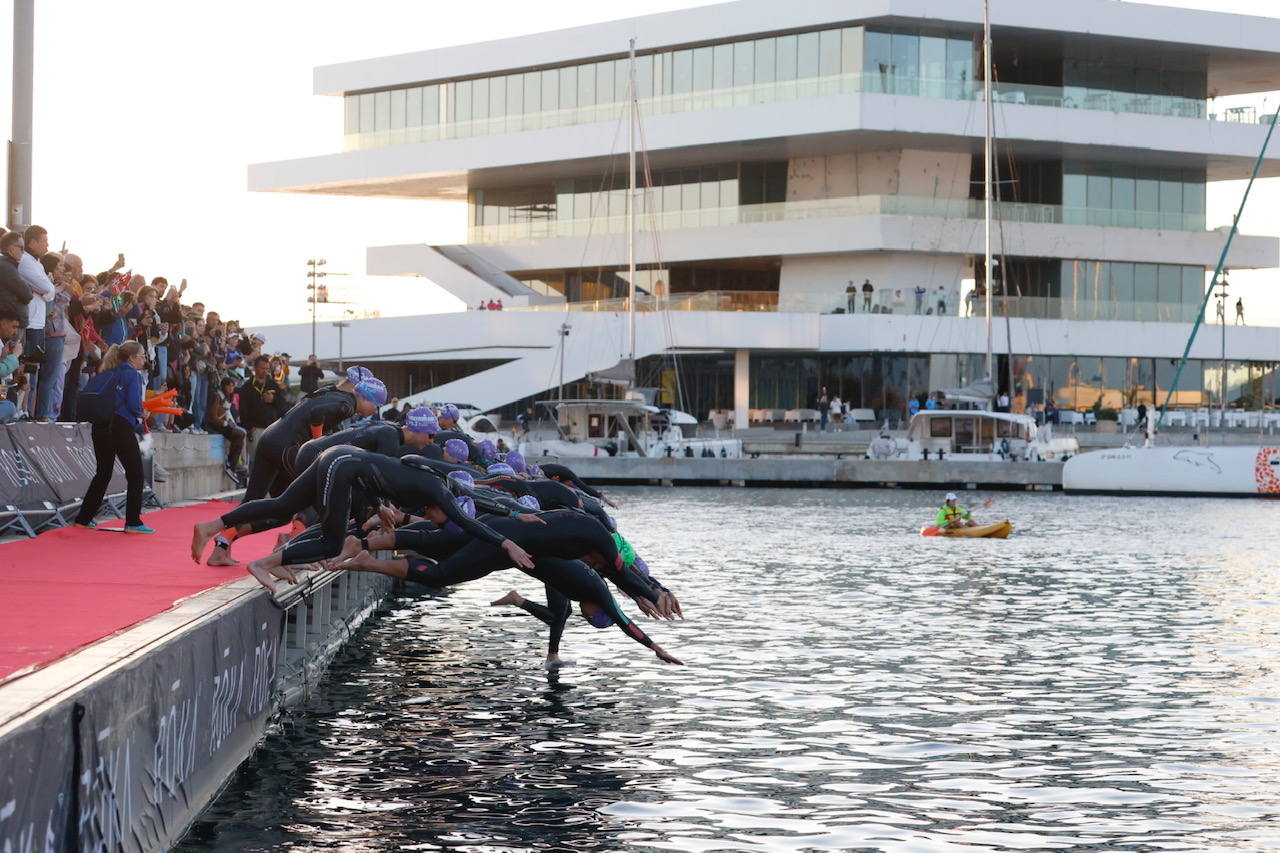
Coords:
pixel 394 130
pixel 868 205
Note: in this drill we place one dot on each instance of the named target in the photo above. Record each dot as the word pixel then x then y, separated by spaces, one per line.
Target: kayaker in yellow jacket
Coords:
pixel 951 516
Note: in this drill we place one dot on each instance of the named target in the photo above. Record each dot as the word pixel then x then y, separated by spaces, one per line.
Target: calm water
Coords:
pixel 1104 680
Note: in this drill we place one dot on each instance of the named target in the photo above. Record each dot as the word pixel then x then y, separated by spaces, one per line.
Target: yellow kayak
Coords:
pixel 999 530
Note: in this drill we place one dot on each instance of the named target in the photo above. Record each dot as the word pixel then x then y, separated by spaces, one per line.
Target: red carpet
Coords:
pixel 71 586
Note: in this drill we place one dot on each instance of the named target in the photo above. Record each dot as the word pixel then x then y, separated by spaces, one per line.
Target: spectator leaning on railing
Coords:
pixel 11 324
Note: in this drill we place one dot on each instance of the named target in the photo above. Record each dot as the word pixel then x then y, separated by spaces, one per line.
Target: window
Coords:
pixel 498 97
pixel 877 62
pixel 568 88
pixel 462 100
pixel 587 86
pixel 744 56
pixel 550 90
pixel 766 60
pixel 785 61
pixel 515 95
pixel 480 100
pixel 644 76
pixel 381 111
pixel 351 114
pixel 940 427
pixel 829 54
pixel 933 67
pixel 532 92
pixel 682 69
pixel 604 83
pixel 807 48
pixel 722 66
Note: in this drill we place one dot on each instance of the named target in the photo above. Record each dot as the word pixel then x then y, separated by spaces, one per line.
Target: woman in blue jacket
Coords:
pixel 117 437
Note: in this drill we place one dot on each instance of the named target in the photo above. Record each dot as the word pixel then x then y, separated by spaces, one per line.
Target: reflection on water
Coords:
pixel 1105 679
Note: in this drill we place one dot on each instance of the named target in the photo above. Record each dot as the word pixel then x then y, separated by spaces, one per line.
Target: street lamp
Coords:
pixel 314 274
pixel 564 334
pixel 340 325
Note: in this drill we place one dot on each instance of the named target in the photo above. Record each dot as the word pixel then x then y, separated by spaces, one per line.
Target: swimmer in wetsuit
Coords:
pixel 562 474
pixel 565 550
pixel 274 457
pixel 340 477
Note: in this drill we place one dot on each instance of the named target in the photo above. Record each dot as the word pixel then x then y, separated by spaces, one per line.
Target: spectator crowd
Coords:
pixel 58 321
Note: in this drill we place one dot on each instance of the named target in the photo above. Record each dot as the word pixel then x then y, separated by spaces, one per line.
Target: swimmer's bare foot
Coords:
pixel 263 576
pixel 201 533
pixel 511 599
pixel 350 547
pixel 363 561
pixel 554 661
pixel 221 557
pixel 283 573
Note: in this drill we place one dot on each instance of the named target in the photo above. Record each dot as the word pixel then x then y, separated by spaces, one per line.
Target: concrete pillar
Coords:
pixel 19 213
pixel 741 387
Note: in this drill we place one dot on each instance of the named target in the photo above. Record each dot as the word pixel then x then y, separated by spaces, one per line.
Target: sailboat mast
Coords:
pixel 632 107
pixel 986 171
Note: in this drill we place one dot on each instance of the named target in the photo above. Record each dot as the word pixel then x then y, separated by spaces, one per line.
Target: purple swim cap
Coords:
pixel 642 566
pixel 357 374
pixel 487 449
pixel 516 460
pixel 500 468
pixel 422 422
pixel 463 477
pixel 600 619
pixel 372 390
pixel 457 448
pixel 450 411
pixel 467 505
pixel 535 471
pixel 529 501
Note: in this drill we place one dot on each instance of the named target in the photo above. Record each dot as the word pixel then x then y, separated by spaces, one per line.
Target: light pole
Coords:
pixel 340 325
pixel 314 274
pixel 1222 318
pixel 564 334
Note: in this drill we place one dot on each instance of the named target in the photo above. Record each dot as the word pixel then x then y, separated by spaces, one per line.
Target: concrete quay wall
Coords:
pixel 122 744
pixel 818 471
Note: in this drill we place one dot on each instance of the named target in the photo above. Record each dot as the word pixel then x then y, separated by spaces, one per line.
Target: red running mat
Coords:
pixel 71 586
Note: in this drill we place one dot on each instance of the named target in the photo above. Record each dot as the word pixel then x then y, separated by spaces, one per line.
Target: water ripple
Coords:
pixel 1105 679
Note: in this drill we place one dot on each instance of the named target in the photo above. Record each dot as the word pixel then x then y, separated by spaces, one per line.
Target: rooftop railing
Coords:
pixel 869 205
pixel 1068 97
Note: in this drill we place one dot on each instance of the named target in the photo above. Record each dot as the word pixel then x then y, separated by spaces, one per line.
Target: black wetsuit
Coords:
pixel 555 547
pixel 550 494
pixel 274 457
pixel 345 474
pixel 377 437
pixel 559 472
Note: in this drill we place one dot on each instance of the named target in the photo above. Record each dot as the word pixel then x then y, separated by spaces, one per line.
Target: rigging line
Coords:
pixel 1217 271
pixel 667 325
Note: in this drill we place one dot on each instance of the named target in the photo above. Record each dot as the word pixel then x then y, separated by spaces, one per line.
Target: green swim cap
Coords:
pixel 624 548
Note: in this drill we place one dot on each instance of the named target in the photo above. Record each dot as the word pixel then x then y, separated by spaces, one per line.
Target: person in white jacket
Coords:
pixel 36 242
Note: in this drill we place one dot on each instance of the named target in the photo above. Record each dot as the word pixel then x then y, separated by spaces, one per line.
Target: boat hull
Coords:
pixel 999 530
pixel 1176 471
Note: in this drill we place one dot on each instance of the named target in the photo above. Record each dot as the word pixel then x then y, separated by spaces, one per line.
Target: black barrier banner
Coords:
pixel 21 482
pixel 63 455
pixel 126 763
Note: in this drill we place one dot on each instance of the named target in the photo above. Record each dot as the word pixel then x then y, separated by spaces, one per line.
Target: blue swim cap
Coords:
pixel 500 468
pixel 457 448
pixel 449 411
pixel 463 477
pixel 372 390
pixel 467 505
pixel 422 422
pixel 529 501
pixel 357 374
pixel 516 460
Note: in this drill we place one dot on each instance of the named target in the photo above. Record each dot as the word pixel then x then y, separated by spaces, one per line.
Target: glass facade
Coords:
pixel 685 198
pixel 1094 81
pixel 1124 291
pixel 887 382
pixel 1133 196
pixel 497 104
pixel 911 63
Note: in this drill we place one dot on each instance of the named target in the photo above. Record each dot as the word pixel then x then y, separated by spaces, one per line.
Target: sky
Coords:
pixel 148 112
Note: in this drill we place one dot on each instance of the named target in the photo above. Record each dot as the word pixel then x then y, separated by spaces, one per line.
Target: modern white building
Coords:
pixel 789 150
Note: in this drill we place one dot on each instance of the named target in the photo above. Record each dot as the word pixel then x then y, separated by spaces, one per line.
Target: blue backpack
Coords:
pixel 102 395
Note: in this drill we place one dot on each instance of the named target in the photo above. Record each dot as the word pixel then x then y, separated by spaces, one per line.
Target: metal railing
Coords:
pixel 1067 97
